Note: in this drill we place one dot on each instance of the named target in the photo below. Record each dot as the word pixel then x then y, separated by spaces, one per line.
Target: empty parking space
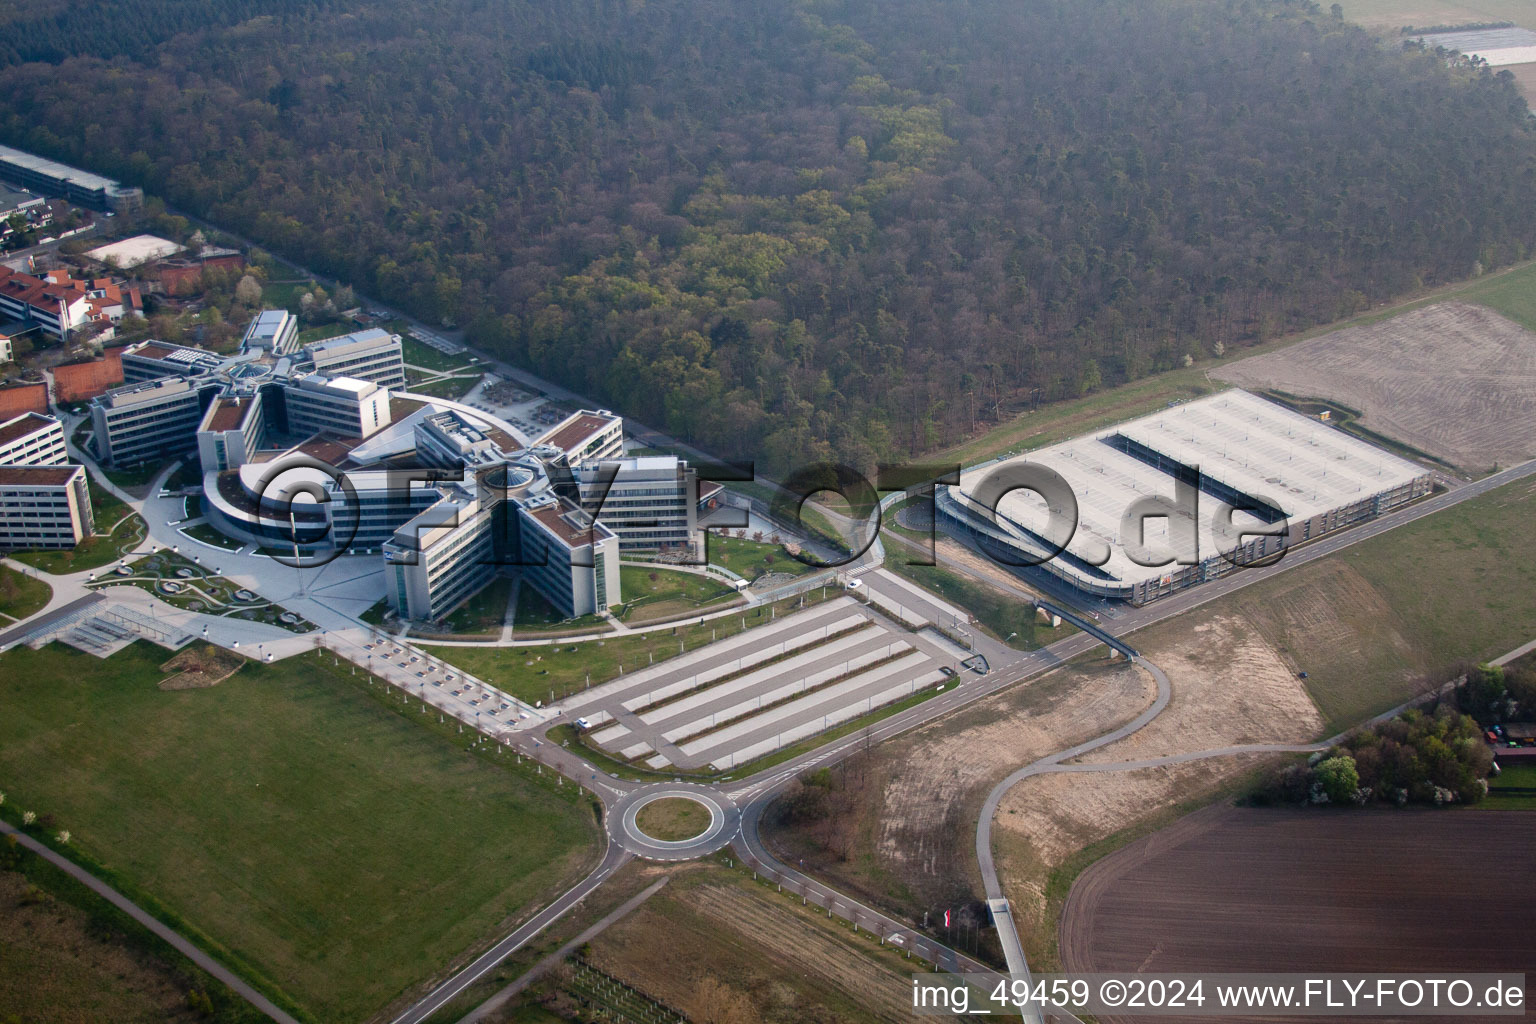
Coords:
pixel 746 696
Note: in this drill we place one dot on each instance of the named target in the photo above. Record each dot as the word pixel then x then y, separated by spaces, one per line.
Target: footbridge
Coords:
pixel 1090 627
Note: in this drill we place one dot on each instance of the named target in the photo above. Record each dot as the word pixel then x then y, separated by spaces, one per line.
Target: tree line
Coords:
pixel 806 229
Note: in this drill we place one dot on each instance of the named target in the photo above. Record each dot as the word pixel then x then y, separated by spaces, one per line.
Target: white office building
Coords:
pixel 372 355
pixel 272 330
pixel 32 439
pixel 155 419
pixel 232 431
pixel 340 405
pixel 44 507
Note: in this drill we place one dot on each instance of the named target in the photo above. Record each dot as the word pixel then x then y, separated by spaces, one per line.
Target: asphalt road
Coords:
pixel 613 859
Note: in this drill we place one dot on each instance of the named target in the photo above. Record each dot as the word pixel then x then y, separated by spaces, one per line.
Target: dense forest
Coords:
pixel 793 229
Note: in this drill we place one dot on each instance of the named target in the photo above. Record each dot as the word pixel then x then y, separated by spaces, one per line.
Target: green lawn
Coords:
pixel 483 613
pixel 417 354
pixel 537 616
pixel 656 593
pixel 534 673
pixel 452 388
pixel 284 294
pixel 324 331
pixel 326 840
pixel 91 553
pixel 750 559
pixel 21 595
pixel 1502 791
pixel 134 479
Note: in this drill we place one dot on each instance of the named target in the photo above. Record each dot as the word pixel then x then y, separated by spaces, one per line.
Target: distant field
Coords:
pixel 1452 379
pixel 1429 13
pixel 254 812
pixel 1295 890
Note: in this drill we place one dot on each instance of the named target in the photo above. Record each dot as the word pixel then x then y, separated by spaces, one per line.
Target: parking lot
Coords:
pixel 733 701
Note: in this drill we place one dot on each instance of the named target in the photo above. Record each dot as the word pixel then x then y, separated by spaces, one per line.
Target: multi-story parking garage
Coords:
pixel 1167 501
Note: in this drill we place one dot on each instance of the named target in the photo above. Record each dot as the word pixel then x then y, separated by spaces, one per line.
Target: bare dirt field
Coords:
pixel 1229 687
pixel 1257 889
pixel 900 827
pixel 1453 380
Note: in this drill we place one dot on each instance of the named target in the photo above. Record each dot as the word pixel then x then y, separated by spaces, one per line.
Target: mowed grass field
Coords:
pixel 1370 624
pixel 323 843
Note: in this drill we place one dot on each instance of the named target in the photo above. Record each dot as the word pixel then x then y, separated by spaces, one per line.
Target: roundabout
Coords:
pixel 644 822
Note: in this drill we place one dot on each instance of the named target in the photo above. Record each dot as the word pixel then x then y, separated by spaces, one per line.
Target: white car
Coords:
pixel 854 584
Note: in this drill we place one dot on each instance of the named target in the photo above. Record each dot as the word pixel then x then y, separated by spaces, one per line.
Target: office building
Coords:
pixel 82 188
pixel 231 432
pixel 272 330
pixel 586 436
pixel 648 501
pixel 340 405
pixel 151 360
pixel 44 507
pixel 155 419
pixel 32 440
pixel 372 355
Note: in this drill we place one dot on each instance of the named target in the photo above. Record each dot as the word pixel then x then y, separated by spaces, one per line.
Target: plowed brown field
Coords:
pixel 1252 889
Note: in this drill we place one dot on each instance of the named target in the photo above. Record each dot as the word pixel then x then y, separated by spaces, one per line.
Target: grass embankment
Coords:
pixel 21 595
pixel 418 354
pixel 484 613
pixel 654 594
pixel 534 673
pixel 535 617
pixel 750 559
pixel 306 830
pixel 1006 617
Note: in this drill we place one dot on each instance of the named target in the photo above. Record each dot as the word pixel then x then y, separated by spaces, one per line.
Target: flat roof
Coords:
pixel 43 165
pixel 132 252
pixel 342 385
pixel 228 413
pixel 570 433
pixel 27 423
pixel 1300 465
pixel 51 476
pixel 143 391
pixel 369 338
pixel 574 528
